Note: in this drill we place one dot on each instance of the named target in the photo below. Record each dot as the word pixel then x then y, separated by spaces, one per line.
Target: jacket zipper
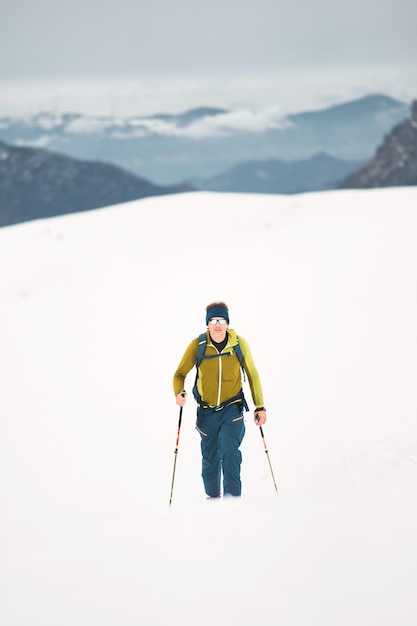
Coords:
pixel 220 381
pixel 220 372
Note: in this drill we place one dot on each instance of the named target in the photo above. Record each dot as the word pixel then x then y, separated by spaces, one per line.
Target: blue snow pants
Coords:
pixel 221 434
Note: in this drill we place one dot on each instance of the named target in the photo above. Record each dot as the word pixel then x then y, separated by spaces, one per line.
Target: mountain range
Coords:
pixel 208 142
pixel 37 183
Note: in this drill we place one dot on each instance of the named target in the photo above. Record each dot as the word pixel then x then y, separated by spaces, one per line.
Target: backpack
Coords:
pixel 202 343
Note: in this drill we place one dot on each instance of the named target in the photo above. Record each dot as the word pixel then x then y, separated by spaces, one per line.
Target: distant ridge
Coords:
pixel 354 109
pixel 317 173
pixel 36 183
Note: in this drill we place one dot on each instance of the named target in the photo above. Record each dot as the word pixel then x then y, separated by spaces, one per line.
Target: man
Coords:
pixel 219 395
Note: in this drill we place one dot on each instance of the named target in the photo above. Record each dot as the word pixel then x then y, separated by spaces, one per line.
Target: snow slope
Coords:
pixel 96 310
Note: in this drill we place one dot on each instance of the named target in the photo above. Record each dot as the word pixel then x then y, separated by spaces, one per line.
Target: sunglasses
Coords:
pixel 217 321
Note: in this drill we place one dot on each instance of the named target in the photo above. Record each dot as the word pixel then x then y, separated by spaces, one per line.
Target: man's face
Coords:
pixel 217 327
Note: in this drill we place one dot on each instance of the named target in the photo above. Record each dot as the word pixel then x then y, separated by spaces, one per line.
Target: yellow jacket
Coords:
pixel 220 379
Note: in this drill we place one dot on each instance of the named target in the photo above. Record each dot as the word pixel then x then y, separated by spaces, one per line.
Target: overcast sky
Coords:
pixel 99 41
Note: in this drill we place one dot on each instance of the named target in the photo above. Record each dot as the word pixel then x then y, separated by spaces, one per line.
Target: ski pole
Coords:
pixel 267 456
pixel 176 452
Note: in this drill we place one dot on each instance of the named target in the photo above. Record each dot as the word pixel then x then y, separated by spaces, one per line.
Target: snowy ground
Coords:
pixel 96 310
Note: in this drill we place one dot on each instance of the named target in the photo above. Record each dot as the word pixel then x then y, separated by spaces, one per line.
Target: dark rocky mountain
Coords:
pixel 319 172
pixel 36 183
pixel 395 161
pixel 206 142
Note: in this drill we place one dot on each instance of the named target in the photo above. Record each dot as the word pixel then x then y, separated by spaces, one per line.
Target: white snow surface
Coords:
pixel 96 310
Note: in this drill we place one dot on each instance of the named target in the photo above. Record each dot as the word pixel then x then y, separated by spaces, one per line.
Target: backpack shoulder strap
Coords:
pixel 238 352
pixel 202 342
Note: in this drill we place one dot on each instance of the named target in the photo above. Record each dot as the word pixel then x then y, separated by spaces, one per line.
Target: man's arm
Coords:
pixel 185 365
pixel 254 383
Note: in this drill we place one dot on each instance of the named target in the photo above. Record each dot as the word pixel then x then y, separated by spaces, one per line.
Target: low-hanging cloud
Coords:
pixel 212 125
pixel 243 120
